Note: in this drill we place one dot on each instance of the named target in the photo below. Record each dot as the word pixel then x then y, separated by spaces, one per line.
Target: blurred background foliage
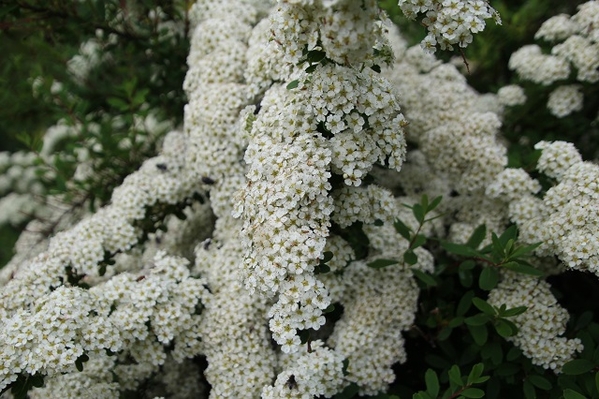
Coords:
pixel 111 69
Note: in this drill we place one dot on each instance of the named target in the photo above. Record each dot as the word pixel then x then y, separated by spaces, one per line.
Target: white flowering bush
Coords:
pixel 335 213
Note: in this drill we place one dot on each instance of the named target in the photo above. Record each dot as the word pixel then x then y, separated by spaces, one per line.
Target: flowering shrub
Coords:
pixel 336 216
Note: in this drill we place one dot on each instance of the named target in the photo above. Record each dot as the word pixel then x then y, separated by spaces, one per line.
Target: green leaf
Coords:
pixel 465 278
pixel 479 334
pixel 522 250
pixel 465 303
pixel 349 392
pixel 380 263
pixel 432 383
pixel 424 202
pixel 345 364
pixel 410 257
pixel 402 229
pixel 456 322
pixel 311 68
pixel 327 256
pixel 118 103
pixel 315 56
pixel 513 311
pixel 459 249
pixel 293 84
pixel 507 369
pixel 80 360
pixel 424 277
pixel 473 393
pixel 37 380
pixel 571 394
pixel 521 268
pixel 477 237
pixel 584 320
pixel 484 306
pixel 444 333
pixel 475 373
pixel 419 213
pixel 477 320
pixel 513 354
pixel 498 247
pixel 455 375
pixel 419 240
pixel 79 365
pixel 509 246
pixel 468 264
pixel 435 203
pixel 504 328
pixel 329 308
pixel 140 97
pixel 577 367
pixel 529 390
pixel 511 233
pixel 540 382
pixel 492 351
pixel 488 278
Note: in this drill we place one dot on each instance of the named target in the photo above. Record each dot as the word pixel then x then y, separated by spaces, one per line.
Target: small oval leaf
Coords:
pixel 577 367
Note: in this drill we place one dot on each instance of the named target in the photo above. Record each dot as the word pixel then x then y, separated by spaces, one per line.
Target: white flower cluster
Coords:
pixel 467 150
pixel 338 119
pixel 512 184
pixel 317 372
pixel 366 205
pixel 540 327
pixel 558 27
pixel 90 55
pixel 234 328
pixel 531 64
pixel 20 188
pixel 556 158
pixel 511 95
pixel 456 130
pixel 137 316
pixel 565 99
pixel 564 220
pixel 449 22
pixel 217 93
pixel 575 42
pixel 379 305
pixel 346 30
pixel 234 332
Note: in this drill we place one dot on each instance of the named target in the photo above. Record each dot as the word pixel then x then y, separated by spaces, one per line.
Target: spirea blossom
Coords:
pixel 318 372
pixel 564 220
pixel 531 64
pixel 449 22
pixel 541 326
pixel 564 100
pixel 575 47
pixel 511 95
pixel 338 119
pixel 556 28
